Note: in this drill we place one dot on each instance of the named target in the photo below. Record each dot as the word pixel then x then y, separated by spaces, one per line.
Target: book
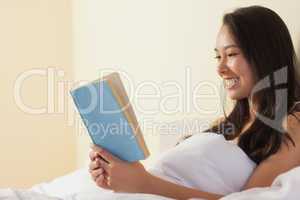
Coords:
pixel 109 118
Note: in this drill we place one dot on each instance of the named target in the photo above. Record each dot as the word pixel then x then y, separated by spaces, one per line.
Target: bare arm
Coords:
pixel 285 159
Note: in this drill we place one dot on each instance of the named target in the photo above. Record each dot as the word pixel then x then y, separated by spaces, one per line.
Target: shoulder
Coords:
pixel 292 126
pixel 269 169
pixel 288 151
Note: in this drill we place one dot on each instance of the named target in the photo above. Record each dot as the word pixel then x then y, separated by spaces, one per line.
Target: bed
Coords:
pixel 78 186
pixel 213 173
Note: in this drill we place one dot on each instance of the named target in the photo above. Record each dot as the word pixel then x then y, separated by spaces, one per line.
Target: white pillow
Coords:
pixel 206 161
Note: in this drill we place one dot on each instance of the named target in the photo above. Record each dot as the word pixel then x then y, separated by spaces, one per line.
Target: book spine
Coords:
pixel 127 110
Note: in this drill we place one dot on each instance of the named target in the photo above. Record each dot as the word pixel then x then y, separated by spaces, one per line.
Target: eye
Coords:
pixel 232 54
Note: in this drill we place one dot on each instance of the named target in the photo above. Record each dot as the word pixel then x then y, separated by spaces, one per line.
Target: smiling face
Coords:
pixel 233 67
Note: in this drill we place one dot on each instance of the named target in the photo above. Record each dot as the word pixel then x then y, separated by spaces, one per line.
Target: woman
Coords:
pixel 253 43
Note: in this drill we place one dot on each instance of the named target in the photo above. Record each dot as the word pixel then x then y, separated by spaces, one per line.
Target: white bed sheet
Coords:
pixel 78 186
pixel 15 194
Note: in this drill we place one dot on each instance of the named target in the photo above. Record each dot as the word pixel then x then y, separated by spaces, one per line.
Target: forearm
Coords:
pixel 158 186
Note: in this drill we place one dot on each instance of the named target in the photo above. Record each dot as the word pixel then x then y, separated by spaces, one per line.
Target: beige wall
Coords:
pixel 34 148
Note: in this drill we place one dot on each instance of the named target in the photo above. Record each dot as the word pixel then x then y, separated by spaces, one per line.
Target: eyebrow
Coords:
pixel 228 46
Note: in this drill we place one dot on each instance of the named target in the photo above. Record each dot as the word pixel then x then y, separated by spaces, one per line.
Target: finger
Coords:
pixel 107 180
pixel 93 155
pixel 94 164
pixel 105 154
pixel 101 182
pixel 96 173
pixel 105 166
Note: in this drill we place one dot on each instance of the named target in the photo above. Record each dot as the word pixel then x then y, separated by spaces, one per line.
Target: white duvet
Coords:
pixel 74 186
pixel 11 194
pixel 285 187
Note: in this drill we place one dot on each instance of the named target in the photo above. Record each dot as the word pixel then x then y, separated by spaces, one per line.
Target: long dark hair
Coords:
pixel 267 45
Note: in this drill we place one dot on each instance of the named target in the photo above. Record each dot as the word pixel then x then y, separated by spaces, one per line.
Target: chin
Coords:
pixel 235 95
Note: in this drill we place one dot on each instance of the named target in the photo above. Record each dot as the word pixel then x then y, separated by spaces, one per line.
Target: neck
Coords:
pixel 252 111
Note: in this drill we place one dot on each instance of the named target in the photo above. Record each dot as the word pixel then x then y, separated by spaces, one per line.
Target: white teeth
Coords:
pixel 228 83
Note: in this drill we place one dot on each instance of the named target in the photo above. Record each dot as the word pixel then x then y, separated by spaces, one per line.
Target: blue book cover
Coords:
pixel 110 124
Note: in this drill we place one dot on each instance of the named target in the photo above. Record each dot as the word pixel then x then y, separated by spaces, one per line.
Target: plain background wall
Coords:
pixel 158 44
pixel 34 148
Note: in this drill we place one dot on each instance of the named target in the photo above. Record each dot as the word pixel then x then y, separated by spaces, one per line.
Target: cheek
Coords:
pixel 236 66
pixel 247 77
pixel 233 64
pixel 243 70
pixel 247 83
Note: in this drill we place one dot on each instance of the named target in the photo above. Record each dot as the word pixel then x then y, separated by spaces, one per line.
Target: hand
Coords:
pixel 94 167
pixel 109 172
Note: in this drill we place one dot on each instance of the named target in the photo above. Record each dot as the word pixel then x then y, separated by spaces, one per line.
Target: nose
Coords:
pixel 222 67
